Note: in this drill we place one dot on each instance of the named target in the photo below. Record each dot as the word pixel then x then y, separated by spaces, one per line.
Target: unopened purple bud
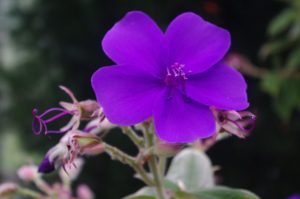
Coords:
pixel 46 166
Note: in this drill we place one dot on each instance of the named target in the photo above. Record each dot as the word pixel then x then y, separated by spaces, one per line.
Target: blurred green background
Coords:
pixel 46 43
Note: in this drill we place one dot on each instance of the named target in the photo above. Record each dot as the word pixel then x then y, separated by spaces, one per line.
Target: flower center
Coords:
pixel 175 75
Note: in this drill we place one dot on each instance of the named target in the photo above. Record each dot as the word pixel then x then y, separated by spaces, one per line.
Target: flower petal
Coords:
pixel 180 119
pixel 196 43
pixel 220 86
pixel 136 40
pixel 126 95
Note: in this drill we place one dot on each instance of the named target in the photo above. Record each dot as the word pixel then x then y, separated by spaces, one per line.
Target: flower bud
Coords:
pixel 84 192
pixel 89 109
pixel 55 158
pixel 233 122
pixel 8 189
pixel 28 173
pixel 166 149
pixel 86 143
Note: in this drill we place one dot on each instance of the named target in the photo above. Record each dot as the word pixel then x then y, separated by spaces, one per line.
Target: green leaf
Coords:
pixel 224 193
pixel 281 22
pixel 192 169
pixel 184 195
pixel 143 193
pixel 168 184
pixel 288 99
pixel 274 47
pixel 293 60
pixel 272 83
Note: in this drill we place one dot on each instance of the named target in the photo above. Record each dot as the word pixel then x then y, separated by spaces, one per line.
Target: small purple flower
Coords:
pixel 174 77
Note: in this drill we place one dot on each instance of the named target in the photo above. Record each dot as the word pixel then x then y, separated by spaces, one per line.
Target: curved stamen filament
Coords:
pixel 39 123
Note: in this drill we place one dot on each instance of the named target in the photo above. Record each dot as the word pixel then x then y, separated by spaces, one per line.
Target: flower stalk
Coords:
pixel 137 140
pixel 124 158
pixel 152 162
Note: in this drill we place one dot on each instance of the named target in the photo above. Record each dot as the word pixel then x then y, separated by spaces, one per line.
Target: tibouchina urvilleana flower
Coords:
pixel 173 77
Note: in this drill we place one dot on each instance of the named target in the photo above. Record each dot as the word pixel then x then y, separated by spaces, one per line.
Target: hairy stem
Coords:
pixel 124 158
pixel 137 140
pixel 152 162
pixel 162 165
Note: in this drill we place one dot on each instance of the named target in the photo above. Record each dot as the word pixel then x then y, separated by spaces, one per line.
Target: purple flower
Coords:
pixel 174 77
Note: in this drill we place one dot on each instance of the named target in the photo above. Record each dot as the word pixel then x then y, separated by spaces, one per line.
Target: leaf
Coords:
pixel 224 193
pixel 293 60
pixel 171 185
pixel 271 83
pixel 143 193
pixel 281 22
pixel 274 47
pixel 184 195
pixel 288 99
pixel 192 169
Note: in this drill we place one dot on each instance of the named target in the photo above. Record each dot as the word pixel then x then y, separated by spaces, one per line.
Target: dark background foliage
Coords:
pixel 58 43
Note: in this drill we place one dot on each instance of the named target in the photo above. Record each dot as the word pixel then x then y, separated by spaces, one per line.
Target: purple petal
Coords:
pixel 136 40
pixel 180 119
pixel 46 166
pixel 126 95
pixel 220 86
pixel 196 43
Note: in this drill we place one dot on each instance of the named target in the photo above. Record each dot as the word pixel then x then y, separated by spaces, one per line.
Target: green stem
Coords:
pixel 30 193
pixel 119 155
pixel 153 165
pixel 137 140
pixel 124 158
pixel 162 165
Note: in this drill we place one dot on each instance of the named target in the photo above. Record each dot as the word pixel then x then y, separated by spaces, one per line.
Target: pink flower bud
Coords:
pixel 8 189
pixel 84 192
pixel 28 173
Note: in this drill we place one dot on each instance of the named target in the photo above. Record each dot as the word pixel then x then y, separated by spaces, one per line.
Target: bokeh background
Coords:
pixel 46 43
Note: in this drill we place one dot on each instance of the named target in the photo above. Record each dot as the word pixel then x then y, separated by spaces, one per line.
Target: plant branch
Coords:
pixel 137 140
pixel 152 162
pixel 124 158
